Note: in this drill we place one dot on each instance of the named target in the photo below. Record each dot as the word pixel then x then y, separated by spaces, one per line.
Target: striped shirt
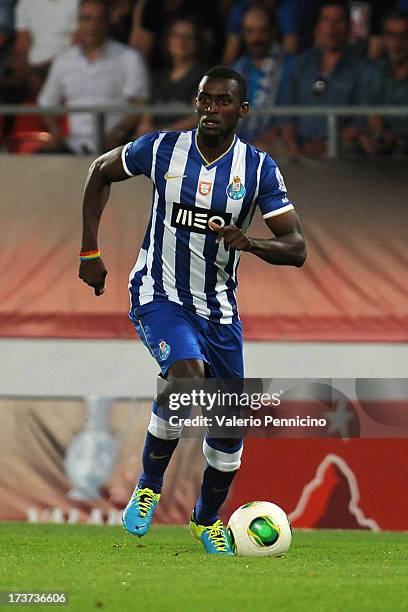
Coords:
pixel 265 85
pixel 180 259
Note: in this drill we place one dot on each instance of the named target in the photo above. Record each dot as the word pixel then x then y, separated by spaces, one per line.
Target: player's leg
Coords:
pixel 175 347
pixel 162 437
pixel 160 443
pixel 223 460
pixel 223 347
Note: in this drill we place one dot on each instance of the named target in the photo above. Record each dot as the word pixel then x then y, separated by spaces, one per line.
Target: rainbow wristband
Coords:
pixel 89 255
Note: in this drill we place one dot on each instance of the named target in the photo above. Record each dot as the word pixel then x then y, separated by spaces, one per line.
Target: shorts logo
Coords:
pixel 204 188
pixel 196 219
pixel 236 190
pixel 164 350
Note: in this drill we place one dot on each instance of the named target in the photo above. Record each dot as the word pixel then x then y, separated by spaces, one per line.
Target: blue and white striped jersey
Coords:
pixel 180 259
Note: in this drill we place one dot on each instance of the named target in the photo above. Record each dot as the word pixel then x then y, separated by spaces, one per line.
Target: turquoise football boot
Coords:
pixel 138 514
pixel 213 537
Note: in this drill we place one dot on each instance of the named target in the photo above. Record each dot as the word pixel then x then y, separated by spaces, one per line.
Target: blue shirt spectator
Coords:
pixel 293 19
pixel 329 74
pixel 265 86
pixel 309 86
pixel 265 66
pixel 386 83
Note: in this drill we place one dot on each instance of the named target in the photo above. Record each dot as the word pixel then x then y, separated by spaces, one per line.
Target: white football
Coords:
pixel 259 529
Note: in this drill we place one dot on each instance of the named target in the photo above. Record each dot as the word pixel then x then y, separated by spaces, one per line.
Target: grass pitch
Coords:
pixel 104 568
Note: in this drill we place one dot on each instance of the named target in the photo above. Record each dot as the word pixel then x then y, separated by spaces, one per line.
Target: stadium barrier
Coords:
pixel 332 114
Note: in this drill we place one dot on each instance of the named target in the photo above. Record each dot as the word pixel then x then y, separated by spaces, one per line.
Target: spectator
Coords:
pixel 328 74
pixel 179 82
pixel 44 28
pixel 120 20
pixel 152 16
pixel 293 18
pixel 387 83
pixel 95 71
pixel 366 22
pixel 263 64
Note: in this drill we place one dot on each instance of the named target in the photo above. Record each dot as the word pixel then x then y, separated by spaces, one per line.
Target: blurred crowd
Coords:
pixel 292 52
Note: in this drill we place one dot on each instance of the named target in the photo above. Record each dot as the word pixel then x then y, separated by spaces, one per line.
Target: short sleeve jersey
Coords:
pixel 180 259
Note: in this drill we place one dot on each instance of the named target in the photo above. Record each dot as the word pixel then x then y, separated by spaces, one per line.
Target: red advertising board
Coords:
pixel 348 484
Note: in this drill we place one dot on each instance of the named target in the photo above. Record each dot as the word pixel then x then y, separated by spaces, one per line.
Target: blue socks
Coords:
pixel 156 457
pixel 214 491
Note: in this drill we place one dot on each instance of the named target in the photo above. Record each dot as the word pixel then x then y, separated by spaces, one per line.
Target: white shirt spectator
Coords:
pixel 51 24
pixel 117 76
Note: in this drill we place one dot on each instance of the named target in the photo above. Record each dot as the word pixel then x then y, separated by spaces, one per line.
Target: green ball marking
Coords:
pixel 263 531
pixel 249 504
pixel 231 540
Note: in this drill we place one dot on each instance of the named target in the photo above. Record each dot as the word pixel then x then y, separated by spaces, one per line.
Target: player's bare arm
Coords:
pixel 105 170
pixel 287 247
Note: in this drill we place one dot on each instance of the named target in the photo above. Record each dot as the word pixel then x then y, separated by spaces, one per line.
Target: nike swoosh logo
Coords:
pixel 154 456
pixel 168 176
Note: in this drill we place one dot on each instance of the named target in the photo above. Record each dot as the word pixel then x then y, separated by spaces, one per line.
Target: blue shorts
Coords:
pixel 171 332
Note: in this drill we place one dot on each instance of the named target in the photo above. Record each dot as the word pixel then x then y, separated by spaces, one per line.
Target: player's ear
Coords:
pixel 244 110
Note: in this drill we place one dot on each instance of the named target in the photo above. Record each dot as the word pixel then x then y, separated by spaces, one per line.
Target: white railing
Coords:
pixel 332 114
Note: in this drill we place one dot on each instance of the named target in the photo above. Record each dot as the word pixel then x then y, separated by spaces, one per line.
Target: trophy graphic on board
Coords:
pixel 91 454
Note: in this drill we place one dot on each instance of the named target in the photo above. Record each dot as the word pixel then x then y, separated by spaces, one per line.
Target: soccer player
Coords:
pixel 207 184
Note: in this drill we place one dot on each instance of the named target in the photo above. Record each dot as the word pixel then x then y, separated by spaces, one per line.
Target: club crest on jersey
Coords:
pixel 204 187
pixel 236 190
pixel 164 350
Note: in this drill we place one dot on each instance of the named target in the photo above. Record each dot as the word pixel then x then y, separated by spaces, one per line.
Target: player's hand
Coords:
pixel 232 236
pixel 93 273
